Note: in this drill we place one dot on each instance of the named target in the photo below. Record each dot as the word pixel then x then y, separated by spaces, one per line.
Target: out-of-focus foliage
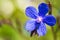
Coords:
pixel 55 5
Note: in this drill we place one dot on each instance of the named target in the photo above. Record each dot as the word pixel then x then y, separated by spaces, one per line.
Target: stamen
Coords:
pixel 39 19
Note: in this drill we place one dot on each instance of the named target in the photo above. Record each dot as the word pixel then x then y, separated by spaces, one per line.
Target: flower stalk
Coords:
pixel 52 28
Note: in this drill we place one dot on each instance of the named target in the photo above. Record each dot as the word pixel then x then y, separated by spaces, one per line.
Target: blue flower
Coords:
pixel 39 18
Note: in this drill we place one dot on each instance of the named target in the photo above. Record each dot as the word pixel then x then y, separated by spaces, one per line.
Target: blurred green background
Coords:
pixel 13 19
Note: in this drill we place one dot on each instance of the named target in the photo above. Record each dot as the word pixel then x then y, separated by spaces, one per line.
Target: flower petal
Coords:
pixel 42 29
pixel 30 25
pixel 31 12
pixel 50 20
pixel 43 9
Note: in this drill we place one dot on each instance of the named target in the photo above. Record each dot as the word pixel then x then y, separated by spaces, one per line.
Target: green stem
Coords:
pixel 52 28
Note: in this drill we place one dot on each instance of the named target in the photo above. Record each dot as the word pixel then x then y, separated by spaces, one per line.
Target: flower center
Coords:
pixel 39 19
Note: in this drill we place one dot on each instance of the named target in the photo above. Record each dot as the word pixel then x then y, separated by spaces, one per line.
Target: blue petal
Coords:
pixel 31 12
pixel 30 25
pixel 43 9
pixel 42 29
pixel 50 20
